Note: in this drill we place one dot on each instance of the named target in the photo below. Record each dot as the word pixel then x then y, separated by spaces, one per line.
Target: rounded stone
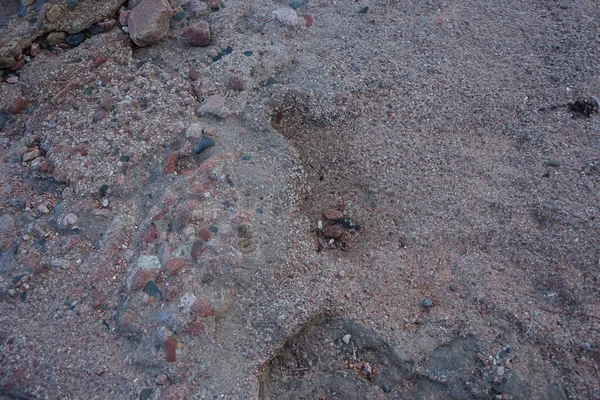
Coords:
pixel 427 302
pixel 199 34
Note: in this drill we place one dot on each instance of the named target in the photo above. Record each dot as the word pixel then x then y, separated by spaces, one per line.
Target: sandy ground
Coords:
pixel 451 139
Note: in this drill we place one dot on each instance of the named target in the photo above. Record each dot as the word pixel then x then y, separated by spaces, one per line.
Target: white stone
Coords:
pixel 346 338
pixel 286 16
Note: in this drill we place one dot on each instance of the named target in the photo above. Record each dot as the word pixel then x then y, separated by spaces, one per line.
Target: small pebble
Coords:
pixel 248 53
pixel 333 214
pixel 385 388
pixel 427 303
pixel 152 290
pixel 3 119
pixel 75 40
pixel 161 379
pixel 364 10
pixel 171 349
pixel 346 338
pixel 104 203
pixel 95 30
pixel 205 143
pixel 146 393
pixel 199 34
pixel 286 16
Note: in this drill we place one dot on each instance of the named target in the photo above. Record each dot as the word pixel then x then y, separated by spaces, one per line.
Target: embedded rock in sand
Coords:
pixel 149 21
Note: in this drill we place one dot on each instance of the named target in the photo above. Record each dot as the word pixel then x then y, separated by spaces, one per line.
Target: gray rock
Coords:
pixel 286 16
pixel 213 105
pixel 149 21
pixel 8 231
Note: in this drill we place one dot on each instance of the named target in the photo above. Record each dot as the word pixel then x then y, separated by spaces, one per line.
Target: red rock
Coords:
pixel 149 21
pixel 150 234
pixel 333 232
pixel 309 20
pixel 105 79
pixel 205 234
pixel 20 62
pixel 170 164
pixel 19 106
pixel 99 61
pixel 199 34
pixel 171 349
pixel 333 214
pixel 195 328
pixel 202 308
pixel 175 265
pixel 194 75
pixel 140 279
pixel 124 17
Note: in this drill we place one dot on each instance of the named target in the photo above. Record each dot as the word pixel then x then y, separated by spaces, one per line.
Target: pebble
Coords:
pixel 213 105
pixel 146 393
pixel 148 262
pixel 224 52
pixel 8 231
pixel 72 4
pixel 55 12
pixel 333 232
pixel 205 143
pixel 205 234
pixel 104 203
pixel 427 303
pixel 175 265
pixel 12 79
pixel 214 5
pixel 30 155
pixel 19 106
pixel 161 379
pixel 235 83
pixel 349 223
pixel 35 49
pixel 179 16
pixel 55 38
pixel 69 219
pixel 43 209
pixel 171 349
pixel 286 16
pixel 3 119
pixel 170 164
pixel 364 10
pixel 346 338
pixel 199 34
pixel 248 53
pixel 196 8
pixel 152 290
pixel 333 214
pixel 385 388
pixel 149 21
pixel 193 75
pixel 297 4
pixel 95 30
pixel 124 17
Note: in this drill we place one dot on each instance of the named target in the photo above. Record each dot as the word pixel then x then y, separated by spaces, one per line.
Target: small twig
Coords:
pixel 528 329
